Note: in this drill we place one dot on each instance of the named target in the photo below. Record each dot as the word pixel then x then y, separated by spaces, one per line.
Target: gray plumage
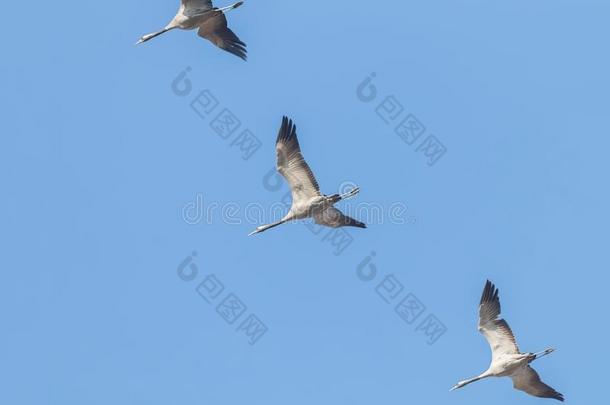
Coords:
pixel 307 201
pixel 506 358
pixel 211 23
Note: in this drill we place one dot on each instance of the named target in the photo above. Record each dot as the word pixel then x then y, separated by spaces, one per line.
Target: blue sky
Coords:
pixel 99 158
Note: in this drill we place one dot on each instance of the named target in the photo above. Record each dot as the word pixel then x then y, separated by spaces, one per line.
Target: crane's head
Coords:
pixel 459 385
pixel 257 230
pixel 145 38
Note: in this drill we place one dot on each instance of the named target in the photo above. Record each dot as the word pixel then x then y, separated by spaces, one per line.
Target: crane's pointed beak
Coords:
pixel 455 387
pixel 254 232
pixel 140 41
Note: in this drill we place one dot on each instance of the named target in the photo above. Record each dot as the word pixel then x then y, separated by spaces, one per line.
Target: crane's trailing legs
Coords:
pixel 350 194
pixel 231 7
pixel 542 354
pixel 338 197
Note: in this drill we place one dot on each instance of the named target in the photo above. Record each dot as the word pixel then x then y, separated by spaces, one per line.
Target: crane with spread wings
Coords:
pixel 506 358
pixel 211 22
pixel 307 201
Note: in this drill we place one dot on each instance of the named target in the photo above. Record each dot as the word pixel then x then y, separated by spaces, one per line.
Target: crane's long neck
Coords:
pixel 148 37
pixel 263 228
pixel 273 225
pixel 470 381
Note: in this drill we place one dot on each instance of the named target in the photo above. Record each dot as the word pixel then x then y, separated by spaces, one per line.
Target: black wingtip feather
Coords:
pixel 237 48
pixel 490 292
pixel 357 224
pixel 288 130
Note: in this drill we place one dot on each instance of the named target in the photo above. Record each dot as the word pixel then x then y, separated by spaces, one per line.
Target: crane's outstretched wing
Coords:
pixel 215 30
pixel 496 331
pixel 292 165
pixel 334 218
pixel 527 379
pixel 193 7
